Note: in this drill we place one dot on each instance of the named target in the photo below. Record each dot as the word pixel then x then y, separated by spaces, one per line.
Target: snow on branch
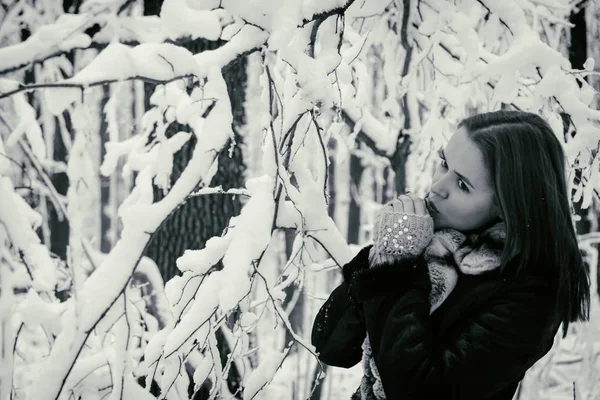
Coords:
pixel 58 38
pixel 107 283
pixel 150 62
pixel 62 36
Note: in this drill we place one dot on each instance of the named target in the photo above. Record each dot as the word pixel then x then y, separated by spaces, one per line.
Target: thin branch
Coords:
pixel 363 137
pixel 207 320
pixel 125 5
pixel 86 24
pixel 286 322
pixel 97 45
pixel 317 17
pixel 290 133
pixel 126 350
pixel 324 154
pixel 327 14
pixel 219 190
pixel 60 208
pixel 81 86
pixel 408 49
pixel 313 37
pixel 503 23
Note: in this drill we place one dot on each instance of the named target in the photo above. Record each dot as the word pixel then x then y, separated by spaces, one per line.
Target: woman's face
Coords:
pixel 461 195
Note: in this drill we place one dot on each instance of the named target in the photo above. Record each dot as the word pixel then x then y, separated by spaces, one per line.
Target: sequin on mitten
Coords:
pixel 397 234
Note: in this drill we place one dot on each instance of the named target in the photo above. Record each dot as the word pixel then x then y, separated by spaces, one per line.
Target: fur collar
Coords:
pixel 471 254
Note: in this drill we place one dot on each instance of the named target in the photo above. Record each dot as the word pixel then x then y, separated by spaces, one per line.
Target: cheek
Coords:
pixel 481 211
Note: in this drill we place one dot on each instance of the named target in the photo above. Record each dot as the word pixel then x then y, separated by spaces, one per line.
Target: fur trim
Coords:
pixel 370 387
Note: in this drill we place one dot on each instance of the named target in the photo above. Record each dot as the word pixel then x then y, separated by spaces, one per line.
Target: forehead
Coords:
pixel 463 156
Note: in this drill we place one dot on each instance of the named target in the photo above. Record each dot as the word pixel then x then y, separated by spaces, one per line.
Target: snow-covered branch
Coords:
pixel 67 33
pixel 139 224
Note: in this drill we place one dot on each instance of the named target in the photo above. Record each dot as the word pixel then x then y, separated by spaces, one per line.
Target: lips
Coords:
pixel 430 206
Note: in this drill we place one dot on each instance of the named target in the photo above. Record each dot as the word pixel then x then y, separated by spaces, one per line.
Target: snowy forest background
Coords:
pixel 181 180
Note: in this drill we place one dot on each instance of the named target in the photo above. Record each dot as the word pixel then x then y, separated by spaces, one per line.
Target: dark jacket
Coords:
pixel 477 345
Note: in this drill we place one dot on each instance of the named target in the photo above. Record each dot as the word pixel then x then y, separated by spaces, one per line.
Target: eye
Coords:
pixel 443 160
pixel 462 185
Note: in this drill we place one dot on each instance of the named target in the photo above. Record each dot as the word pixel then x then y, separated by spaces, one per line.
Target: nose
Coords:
pixel 438 187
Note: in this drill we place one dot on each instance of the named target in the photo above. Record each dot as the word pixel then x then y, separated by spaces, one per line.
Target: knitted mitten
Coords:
pixel 397 235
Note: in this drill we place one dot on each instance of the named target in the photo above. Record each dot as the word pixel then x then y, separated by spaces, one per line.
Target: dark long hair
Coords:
pixel 526 163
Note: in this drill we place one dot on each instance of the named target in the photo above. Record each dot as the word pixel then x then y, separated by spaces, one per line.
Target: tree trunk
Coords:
pixel 59 229
pixel 577 56
pixel 201 217
pixel 105 220
pixel 356 171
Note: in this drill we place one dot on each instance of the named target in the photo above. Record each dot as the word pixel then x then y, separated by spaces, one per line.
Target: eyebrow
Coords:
pixel 464 178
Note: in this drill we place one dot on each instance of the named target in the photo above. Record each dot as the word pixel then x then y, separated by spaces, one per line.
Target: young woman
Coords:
pixel 464 290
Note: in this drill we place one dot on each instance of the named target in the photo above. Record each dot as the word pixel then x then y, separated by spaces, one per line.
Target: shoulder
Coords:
pixel 527 299
pixel 535 283
pixel 525 303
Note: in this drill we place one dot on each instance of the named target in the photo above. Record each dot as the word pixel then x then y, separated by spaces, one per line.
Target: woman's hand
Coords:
pixel 402 228
pixel 408 203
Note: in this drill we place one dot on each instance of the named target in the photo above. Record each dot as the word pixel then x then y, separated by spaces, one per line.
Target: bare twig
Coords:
pixel 280 312
pixel 318 129
pixel 501 21
pixel 327 14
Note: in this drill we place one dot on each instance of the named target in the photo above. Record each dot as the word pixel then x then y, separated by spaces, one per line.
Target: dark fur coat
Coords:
pixel 476 343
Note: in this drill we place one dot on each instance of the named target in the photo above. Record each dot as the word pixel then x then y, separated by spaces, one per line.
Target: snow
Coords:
pixel 367 8
pixel 249 38
pixel 430 25
pixel 312 7
pixel 206 4
pixel 44 41
pixel 194 324
pixel 263 374
pixel 4 161
pixel 512 15
pixel 313 75
pixel 117 62
pixel 77 41
pixel 7 336
pixel 140 29
pixel 506 89
pixel 231 30
pixel 181 20
pixel 102 331
pixel 248 321
pixel 283 24
pixel 104 286
pixel 151 276
pixel 203 370
pixel 27 126
pixel 383 136
pixel 199 261
pixel 251 236
pixel 154 350
pixel 34 310
pixel 23 237
pixel 255 12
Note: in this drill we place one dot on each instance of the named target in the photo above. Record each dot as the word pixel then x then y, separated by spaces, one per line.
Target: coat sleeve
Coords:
pixel 339 328
pixel 492 348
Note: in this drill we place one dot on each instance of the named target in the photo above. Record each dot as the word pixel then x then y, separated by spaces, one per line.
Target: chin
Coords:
pixel 437 225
